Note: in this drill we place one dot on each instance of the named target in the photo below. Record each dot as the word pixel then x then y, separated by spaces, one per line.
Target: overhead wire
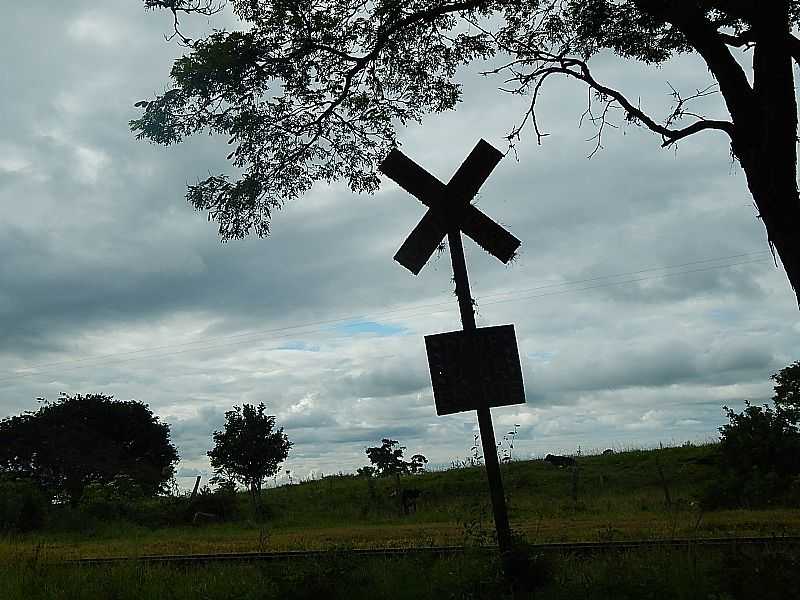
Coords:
pixel 414 312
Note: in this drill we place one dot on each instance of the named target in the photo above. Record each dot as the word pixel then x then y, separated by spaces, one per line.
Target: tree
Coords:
pixel 66 445
pixel 787 391
pixel 249 449
pixel 760 447
pixel 387 459
pixel 311 91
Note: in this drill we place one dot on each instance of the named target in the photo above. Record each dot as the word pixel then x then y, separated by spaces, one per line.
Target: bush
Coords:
pixel 760 438
pixel 23 506
pixel 759 455
pixel 760 449
pixel 221 502
pixel 111 501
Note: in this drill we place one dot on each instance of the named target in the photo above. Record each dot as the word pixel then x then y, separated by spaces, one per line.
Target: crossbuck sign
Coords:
pixel 476 368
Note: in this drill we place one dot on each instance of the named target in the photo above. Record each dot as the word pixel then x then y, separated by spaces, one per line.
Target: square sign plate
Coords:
pixel 470 369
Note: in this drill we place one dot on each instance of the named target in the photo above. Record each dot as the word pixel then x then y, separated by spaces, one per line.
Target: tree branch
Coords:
pixel 578 69
pixel 705 38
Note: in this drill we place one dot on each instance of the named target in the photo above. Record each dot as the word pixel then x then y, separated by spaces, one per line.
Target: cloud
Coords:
pixel 96 29
pixel 90 163
pixel 643 296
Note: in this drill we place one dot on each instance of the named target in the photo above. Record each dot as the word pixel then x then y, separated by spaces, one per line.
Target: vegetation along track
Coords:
pixel 443 550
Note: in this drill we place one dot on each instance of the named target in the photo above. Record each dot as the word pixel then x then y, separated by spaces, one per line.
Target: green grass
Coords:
pixel 620 496
pixel 762 574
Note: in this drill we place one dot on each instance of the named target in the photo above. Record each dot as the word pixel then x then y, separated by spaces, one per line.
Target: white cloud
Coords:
pixel 90 163
pixel 96 29
pixel 12 158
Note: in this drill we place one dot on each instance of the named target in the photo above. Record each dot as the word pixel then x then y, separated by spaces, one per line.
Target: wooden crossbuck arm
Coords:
pixel 412 178
pixel 449 206
pixel 475 169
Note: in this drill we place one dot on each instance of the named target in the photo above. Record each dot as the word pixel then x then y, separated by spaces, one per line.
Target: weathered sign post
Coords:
pixel 473 369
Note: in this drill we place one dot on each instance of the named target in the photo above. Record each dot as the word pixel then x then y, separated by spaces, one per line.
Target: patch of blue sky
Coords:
pixel 541 356
pixel 360 327
pixel 299 345
pixel 724 315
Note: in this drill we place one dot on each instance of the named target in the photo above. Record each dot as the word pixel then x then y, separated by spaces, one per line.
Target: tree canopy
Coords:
pixel 249 448
pixel 387 459
pixel 79 440
pixel 312 90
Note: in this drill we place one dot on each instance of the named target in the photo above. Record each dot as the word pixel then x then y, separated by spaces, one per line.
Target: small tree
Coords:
pixel 366 471
pixel 249 449
pixel 417 464
pixel 387 459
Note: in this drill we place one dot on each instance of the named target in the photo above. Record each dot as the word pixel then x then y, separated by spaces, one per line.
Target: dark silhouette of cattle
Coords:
pixel 559 461
pixel 408 499
pixel 200 518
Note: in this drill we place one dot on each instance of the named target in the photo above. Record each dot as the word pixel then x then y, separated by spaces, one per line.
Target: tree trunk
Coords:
pixel 255 497
pixel 766 143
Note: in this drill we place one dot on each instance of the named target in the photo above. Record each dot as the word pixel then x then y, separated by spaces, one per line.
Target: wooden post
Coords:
pixel 196 485
pixel 449 213
pixel 484 415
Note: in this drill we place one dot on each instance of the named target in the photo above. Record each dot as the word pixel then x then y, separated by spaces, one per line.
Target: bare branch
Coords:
pixel 200 7
pixel 549 64
pixel 680 111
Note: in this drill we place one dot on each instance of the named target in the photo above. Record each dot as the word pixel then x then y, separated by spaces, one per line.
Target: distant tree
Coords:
pixel 387 459
pixel 417 464
pixel 249 448
pixel 313 91
pixel 787 392
pixel 760 446
pixel 66 445
pixel 367 471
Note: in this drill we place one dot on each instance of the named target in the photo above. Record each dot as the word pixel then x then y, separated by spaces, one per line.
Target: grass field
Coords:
pixel 615 497
pixel 630 495
pixel 711 574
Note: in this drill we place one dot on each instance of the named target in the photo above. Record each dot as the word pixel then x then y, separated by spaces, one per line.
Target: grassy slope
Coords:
pixel 618 496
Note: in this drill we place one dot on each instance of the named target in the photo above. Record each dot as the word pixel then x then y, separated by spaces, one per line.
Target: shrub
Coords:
pixel 760 449
pixel 760 438
pixel 760 458
pixel 111 501
pixel 221 502
pixel 23 506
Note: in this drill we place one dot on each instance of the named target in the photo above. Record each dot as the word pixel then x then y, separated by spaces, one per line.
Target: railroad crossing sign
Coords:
pixel 475 368
pixel 449 206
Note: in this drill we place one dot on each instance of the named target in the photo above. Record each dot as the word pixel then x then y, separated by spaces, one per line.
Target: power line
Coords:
pixel 415 311
pixel 612 284
pixel 236 338
pixel 335 320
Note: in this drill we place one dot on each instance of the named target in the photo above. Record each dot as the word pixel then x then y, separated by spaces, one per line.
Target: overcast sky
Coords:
pixel 644 297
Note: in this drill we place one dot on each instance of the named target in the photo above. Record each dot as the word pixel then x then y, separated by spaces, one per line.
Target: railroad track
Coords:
pixel 560 547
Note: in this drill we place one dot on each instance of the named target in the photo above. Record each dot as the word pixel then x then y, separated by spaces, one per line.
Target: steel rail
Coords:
pixel 562 547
